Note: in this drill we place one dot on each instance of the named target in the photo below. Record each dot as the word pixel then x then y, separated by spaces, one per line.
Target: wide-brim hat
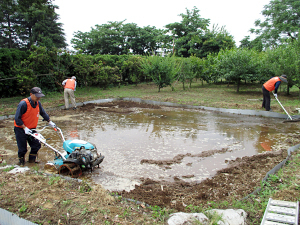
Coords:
pixel 283 78
pixel 37 92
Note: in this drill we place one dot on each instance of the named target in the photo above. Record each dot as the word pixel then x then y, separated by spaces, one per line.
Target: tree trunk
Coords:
pixel 238 86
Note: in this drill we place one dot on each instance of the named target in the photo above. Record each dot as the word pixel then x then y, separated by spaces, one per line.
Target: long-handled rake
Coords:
pixel 291 119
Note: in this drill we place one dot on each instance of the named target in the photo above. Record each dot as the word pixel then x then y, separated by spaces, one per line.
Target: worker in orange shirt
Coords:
pixel 271 85
pixel 69 88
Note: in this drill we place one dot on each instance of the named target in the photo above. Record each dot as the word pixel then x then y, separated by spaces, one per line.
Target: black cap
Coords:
pixel 37 92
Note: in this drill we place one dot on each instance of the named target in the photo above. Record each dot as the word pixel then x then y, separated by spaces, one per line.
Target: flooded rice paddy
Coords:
pixel 162 144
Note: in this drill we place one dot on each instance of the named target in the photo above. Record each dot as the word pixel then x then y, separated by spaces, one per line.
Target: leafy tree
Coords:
pixel 44 68
pixel 117 38
pixel 237 64
pixel 162 70
pixel 198 67
pixel 185 73
pixel 8 27
pixel 8 59
pixel 285 59
pixel 104 39
pixel 281 22
pixel 190 27
pixel 254 44
pixel 131 69
pixel 28 22
pixel 211 42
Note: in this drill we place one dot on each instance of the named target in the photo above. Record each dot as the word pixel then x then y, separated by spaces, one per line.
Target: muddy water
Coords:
pixel 165 144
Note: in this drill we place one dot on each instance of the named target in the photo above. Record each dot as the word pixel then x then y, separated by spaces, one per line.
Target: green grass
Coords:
pixel 211 95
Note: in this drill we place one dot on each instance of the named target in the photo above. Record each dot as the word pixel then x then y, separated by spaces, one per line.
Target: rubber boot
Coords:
pixel 21 161
pixel 32 158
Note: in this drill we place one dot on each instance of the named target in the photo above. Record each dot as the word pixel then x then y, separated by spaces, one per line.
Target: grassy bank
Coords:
pixel 212 95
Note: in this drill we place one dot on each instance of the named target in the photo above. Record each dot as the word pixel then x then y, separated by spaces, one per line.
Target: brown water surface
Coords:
pixel 162 144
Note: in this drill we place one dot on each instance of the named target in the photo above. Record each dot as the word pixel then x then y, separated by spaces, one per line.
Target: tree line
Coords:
pixel 46 68
pixel 32 50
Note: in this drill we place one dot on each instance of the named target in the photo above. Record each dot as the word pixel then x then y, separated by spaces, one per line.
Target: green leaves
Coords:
pixel 30 22
pixel 117 38
pixel 162 70
pixel 237 64
pixel 281 22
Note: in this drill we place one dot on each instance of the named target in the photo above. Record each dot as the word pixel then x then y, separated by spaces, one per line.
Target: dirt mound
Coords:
pixel 240 179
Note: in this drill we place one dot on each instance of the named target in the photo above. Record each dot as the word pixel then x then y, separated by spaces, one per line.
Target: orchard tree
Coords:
pixel 186 72
pixel 162 70
pixel 237 64
pixel 282 18
pixel 285 59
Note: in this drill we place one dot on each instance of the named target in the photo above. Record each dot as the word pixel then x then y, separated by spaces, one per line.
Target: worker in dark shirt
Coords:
pixel 26 118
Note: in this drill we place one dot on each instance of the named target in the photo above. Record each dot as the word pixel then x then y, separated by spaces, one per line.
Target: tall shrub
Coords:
pixel 161 70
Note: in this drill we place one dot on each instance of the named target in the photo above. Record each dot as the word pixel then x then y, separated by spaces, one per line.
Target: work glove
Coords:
pixel 27 130
pixel 275 95
pixel 53 125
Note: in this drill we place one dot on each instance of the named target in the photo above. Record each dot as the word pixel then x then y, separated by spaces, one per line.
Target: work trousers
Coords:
pixel 69 92
pixel 22 140
pixel 266 99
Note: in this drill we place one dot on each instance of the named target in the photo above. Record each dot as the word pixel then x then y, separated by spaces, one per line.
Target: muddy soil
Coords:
pixel 241 178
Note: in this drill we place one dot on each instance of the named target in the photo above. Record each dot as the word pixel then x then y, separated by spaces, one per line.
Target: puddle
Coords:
pixel 162 144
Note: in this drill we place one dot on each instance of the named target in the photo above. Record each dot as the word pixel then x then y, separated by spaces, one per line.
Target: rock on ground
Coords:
pixel 229 217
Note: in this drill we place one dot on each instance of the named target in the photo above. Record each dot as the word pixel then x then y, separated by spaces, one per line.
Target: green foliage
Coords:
pixel 53 180
pixel 8 59
pixel 192 25
pixel 281 22
pixel 194 209
pixel 214 218
pixel 131 70
pixel 23 208
pixel 159 213
pixel 185 73
pixel 255 44
pixel 237 64
pixel 192 37
pixel 285 59
pixel 85 187
pixel 28 22
pixel 44 68
pixel 161 70
pixel 211 42
pixel 9 169
pixel 117 38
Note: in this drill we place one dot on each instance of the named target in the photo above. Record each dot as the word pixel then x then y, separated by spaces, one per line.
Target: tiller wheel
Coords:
pixel 70 169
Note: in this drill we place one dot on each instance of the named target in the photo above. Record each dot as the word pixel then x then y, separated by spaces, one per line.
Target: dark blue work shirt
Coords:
pixel 22 108
pixel 277 86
